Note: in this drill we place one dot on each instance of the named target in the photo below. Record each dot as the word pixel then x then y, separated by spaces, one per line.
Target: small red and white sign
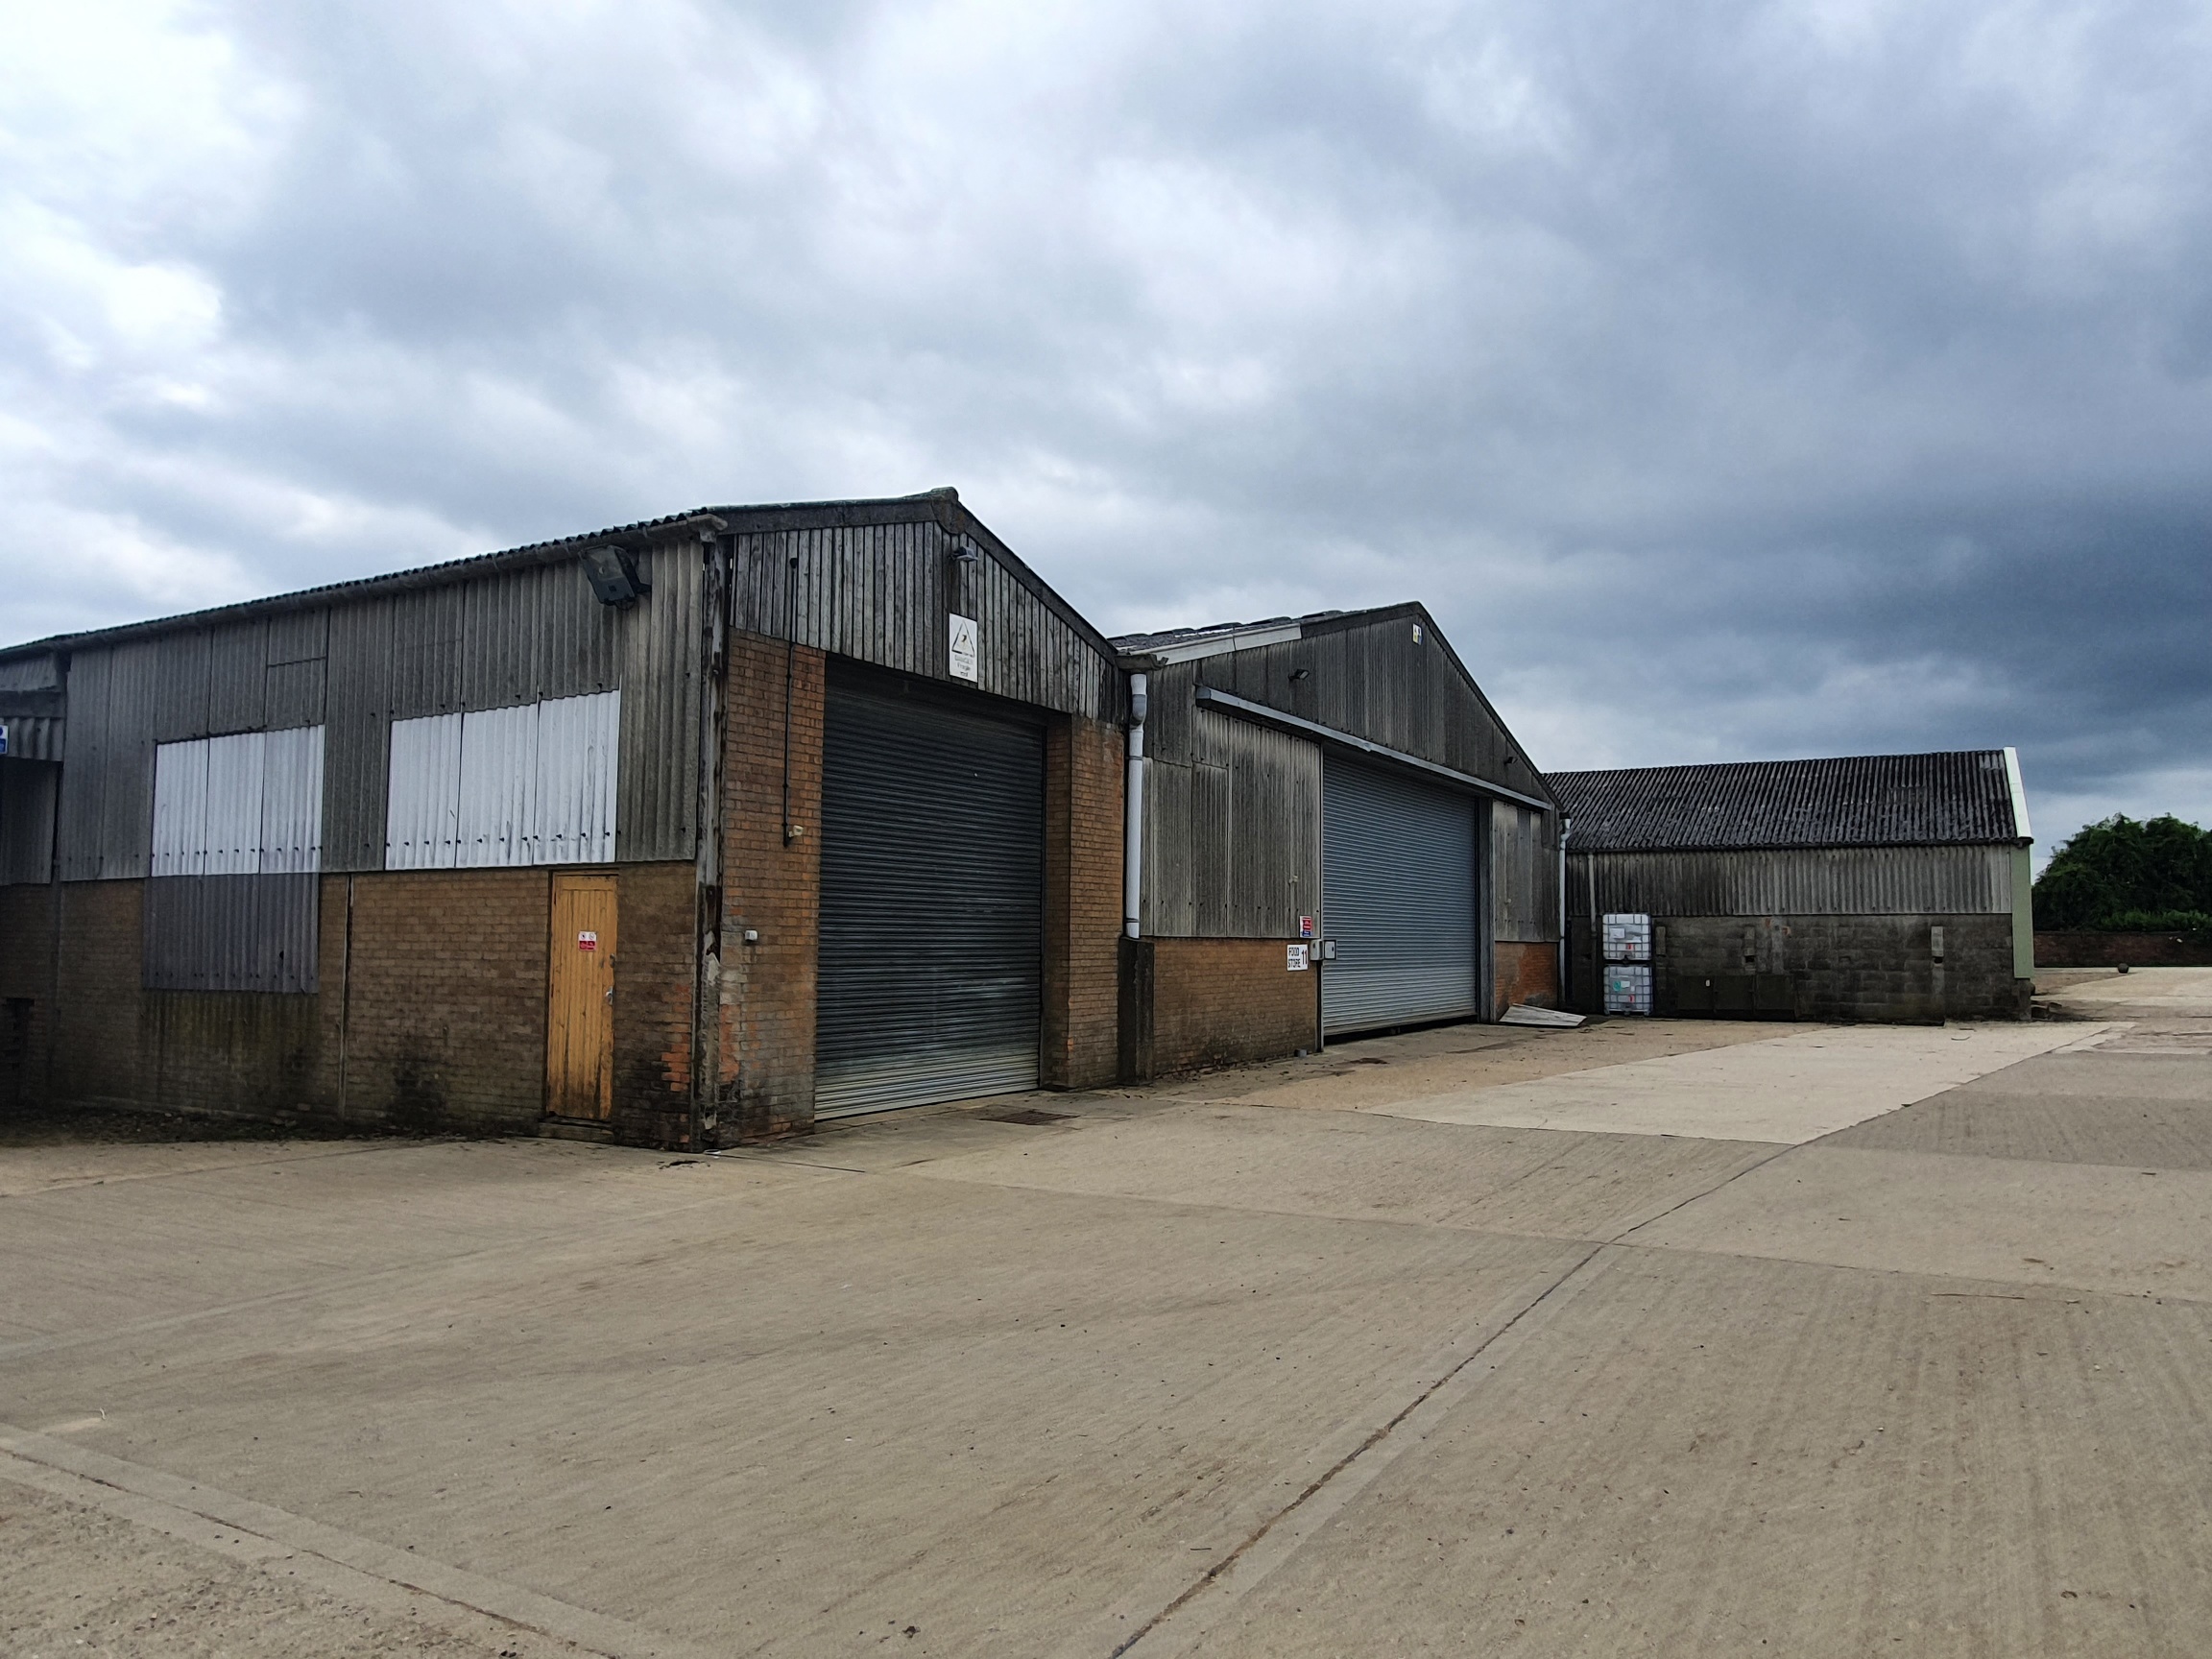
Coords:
pixel 1305 926
pixel 587 941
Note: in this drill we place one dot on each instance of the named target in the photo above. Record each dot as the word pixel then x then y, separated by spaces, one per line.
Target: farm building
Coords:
pixel 1883 887
pixel 672 834
pixel 1331 790
pixel 706 829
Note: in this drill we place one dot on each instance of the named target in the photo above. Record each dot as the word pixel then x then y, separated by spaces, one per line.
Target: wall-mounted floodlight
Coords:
pixel 613 575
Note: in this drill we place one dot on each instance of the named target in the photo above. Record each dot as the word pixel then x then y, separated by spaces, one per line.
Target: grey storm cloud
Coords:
pixel 1731 379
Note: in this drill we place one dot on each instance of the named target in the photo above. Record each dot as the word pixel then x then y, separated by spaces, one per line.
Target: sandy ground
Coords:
pixel 1289 1362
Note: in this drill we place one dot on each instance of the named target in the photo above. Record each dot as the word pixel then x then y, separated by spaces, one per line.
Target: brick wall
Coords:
pixel 1083 779
pixel 1527 973
pixel 1189 1003
pixel 442 1000
pixel 25 991
pixel 1843 968
pixel 97 1029
pixel 2110 950
pixel 767 998
pixel 658 911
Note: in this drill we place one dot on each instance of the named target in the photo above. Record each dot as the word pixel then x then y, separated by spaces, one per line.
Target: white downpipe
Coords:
pixel 1133 824
pixel 1566 828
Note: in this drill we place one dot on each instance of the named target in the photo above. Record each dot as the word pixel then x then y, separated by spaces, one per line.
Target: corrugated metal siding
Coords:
pixel 881 593
pixel 232 933
pixel 1847 881
pixel 34 737
pixel 1524 875
pixel 29 794
pixel 243 805
pixel 1233 834
pixel 509 638
pixel 1956 797
pixel 535 784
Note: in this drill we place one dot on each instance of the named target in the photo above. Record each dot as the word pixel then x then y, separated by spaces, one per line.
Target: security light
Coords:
pixel 613 575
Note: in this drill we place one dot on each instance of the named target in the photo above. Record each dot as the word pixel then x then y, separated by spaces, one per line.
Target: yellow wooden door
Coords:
pixel 579 999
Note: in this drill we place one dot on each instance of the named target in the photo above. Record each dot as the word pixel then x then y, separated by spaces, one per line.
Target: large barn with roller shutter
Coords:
pixel 711 828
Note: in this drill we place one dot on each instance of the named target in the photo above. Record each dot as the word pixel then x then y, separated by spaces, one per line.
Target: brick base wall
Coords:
pixel 1878 969
pixel 2112 950
pixel 25 991
pixel 1083 779
pixel 1527 973
pixel 98 1054
pixel 1189 1003
pixel 771 887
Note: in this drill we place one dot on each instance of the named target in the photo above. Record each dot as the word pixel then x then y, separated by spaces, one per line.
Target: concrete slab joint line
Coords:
pixel 1179 1626
pixel 350 1568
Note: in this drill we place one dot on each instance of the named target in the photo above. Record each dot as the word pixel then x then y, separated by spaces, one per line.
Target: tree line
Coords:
pixel 2127 877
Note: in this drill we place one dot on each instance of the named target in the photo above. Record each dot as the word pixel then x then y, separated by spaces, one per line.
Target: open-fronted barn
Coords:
pixel 1889 887
pixel 1339 835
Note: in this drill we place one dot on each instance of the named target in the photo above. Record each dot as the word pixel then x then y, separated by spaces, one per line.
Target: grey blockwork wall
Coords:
pixel 881 593
pixel 1840 881
pixel 1848 967
pixel 1524 875
pixel 505 637
pixel 1232 831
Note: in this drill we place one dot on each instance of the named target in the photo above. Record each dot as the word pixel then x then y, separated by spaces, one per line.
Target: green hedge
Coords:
pixel 2125 877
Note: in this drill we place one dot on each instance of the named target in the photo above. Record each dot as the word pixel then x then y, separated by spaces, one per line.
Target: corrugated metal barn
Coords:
pixel 1883 887
pixel 1339 835
pixel 705 829
pixel 671 834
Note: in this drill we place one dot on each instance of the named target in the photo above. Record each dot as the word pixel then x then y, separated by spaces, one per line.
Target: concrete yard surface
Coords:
pixel 1806 1342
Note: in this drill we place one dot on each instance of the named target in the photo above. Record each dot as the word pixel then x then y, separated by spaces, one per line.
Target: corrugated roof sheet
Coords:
pixel 1137 644
pixel 1954 799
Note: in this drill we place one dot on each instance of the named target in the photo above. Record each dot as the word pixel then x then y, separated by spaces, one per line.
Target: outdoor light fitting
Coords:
pixel 613 575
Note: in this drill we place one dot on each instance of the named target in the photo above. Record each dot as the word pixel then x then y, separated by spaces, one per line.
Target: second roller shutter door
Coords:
pixel 932 904
pixel 1398 891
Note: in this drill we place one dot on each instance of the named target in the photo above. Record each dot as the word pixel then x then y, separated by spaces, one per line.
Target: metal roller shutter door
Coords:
pixel 933 905
pixel 1398 897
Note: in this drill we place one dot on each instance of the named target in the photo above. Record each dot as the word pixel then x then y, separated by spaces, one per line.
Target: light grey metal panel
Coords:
pixel 180 809
pixel 932 904
pixel 357 710
pixel 1399 860
pixel 232 829
pixel 232 933
pixel 577 785
pixel 298 636
pixel 498 797
pixel 30 794
pixel 292 802
pixel 84 779
pixel 422 821
pixel 658 661
pixel 1845 881
pixel 293 693
pixel 237 677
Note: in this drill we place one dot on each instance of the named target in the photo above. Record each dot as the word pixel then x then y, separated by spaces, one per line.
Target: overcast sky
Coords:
pixel 1732 381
